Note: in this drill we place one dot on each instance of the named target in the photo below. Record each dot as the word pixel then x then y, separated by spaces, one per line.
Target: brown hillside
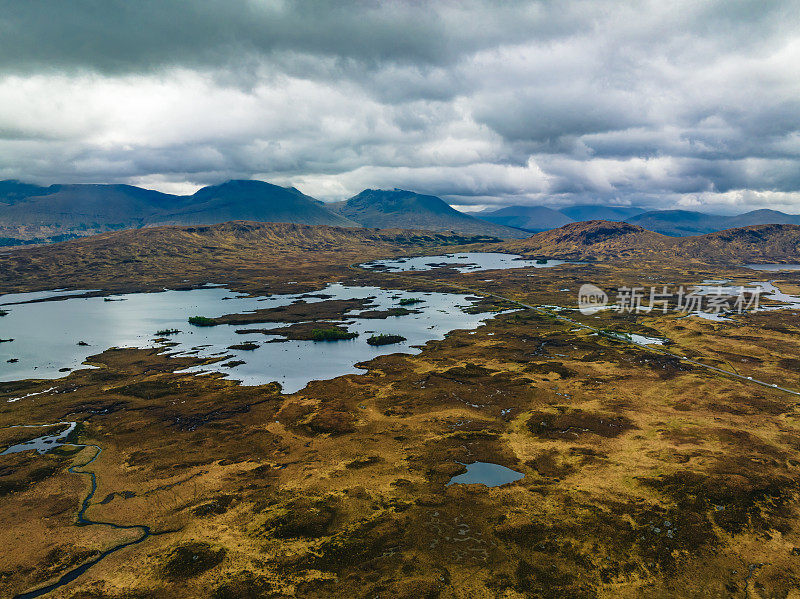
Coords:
pixel 593 240
pixel 756 243
pixel 187 256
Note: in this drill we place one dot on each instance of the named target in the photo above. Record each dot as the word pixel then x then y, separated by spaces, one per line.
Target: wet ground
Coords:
pixel 638 474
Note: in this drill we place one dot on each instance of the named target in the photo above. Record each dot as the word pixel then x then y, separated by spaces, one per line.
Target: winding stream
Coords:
pixel 82 520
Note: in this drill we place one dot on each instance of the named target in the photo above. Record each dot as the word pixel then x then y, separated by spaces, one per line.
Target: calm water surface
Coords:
pixel 45 442
pixel 773 267
pixel 486 473
pixel 463 262
pixel 46 334
pixel 768 292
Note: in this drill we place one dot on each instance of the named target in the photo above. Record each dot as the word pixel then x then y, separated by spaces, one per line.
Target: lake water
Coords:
pixel 463 262
pixel 773 267
pixel 636 338
pixel 771 292
pixel 768 292
pixel 486 473
pixel 45 442
pixel 46 334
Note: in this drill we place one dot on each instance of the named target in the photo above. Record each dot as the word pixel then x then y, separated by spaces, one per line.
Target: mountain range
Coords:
pixel 681 223
pixel 31 214
pixel 676 223
pixel 542 218
pixel 34 214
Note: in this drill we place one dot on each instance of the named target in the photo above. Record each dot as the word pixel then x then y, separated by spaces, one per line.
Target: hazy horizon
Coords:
pixel 471 209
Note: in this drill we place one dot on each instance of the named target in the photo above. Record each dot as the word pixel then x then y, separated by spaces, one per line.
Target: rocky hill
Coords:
pixel 594 240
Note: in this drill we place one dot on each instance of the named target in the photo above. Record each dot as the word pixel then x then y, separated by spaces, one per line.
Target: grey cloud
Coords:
pixel 115 35
pixel 548 102
pixel 545 115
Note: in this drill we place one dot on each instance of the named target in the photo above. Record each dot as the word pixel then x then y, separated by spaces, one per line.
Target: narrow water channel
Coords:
pixel 82 520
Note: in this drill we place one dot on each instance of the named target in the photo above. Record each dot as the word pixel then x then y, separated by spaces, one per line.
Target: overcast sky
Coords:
pixel 660 104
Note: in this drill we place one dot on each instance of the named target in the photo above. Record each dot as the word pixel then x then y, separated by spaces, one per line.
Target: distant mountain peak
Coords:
pixel 383 208
pixel 400 200
pixel 681 223
pixel 527 218
pixel 253 184
pixel 250 199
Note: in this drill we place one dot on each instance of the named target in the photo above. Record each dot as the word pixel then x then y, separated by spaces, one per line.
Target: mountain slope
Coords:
pixel 679 222
pixel 38 214
pixel 761 217
pixel 255 201
pixel 593 240
pixel 755 243
pixel 177 257
pixel 33 213
pixel 686 222
pixel 594 212
pixel 675 223
pixel 12 191
pixel 406 209
pixel 529 218
pixel 91 205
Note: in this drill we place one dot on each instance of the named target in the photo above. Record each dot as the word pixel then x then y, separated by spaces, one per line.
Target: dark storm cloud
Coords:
pixel 681 103
pixel 119 36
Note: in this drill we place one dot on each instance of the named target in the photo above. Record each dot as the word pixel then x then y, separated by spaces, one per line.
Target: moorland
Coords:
pixel 648 471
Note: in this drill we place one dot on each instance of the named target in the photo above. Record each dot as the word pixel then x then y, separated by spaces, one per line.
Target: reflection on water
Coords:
pixel 485 473
pixel 636 338
pixel 644 340
pixel 464 262
pixel 46 442
pixel 771 292
pixel 12 298
pixel 49 337
pixel 773 267
pixel 766 289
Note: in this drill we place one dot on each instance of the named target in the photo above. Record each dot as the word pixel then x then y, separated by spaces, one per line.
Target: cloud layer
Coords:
pixel 685 104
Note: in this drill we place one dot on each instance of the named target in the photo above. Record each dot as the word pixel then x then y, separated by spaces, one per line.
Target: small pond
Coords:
pixel 636 338
pixel 486 473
